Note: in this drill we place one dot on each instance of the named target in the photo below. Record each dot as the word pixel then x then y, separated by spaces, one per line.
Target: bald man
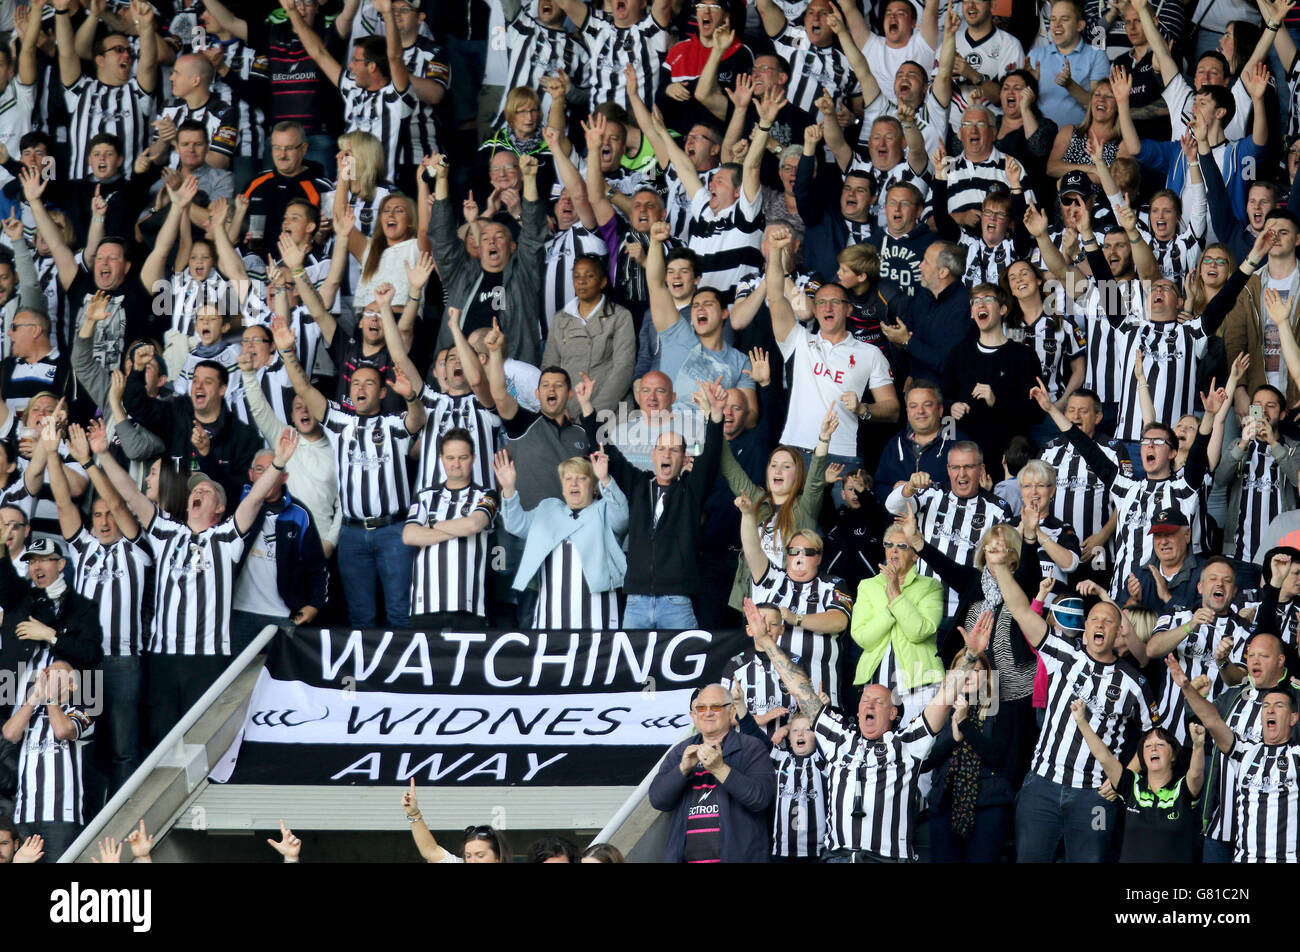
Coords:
pixel 636 434
pixel 193 102
pixel 718 785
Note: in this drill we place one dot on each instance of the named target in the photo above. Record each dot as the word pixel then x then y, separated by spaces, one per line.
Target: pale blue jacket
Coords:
pixel 597 533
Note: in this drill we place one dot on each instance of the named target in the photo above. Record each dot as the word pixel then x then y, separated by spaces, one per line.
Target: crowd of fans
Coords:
pixel 949 349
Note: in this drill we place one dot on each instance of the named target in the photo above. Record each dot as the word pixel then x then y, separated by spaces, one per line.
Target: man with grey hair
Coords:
pixel 718 785
pixel 952 520
pixel 978 170
pixel 939 317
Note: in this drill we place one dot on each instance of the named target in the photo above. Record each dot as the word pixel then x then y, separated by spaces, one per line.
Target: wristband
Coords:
pixel 763 128
pixel 414 819
pixel 298 272
pixel 62 13
pixel 1036 606
pixel 1187 628
pixel 276 466
pixel 1273 27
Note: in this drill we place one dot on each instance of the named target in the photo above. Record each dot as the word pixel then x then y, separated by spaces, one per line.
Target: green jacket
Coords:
pixel 807 508
pixel 908 623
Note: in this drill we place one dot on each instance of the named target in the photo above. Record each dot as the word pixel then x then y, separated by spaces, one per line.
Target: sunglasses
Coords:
pixel 897 545
pixel 713 708
pixel 802 550
pixel 1155 442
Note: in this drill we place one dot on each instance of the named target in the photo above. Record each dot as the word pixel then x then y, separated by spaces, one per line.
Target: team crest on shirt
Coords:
pixel 1154 710
pixel 1112 693
pixel 377 436
pixel 977 521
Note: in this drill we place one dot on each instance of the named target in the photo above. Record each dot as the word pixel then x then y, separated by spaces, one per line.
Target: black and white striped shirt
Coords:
pixel 561 253
pixel 728 242
pixel 1118 709
pixel 564 600
pixel 969 181
pixel 1138 501
pixel 678 204
pixel 250 66
pixel 273 380
pixel 119 579
pixel 799 817
pixel 820 651
pixel 219 119
pixel 872 785
pixel 424 59
pixel 188 294
pixel 1242 718
pixel 813 69
pixel 95 107
pixel 1267 801
pixel 449 576
pixel 446 412
pixel 50 782
pixel 761 687
pixel 610 48
pixel 1082 499
pixel 1171 352
pixel 371 455
pixel 382 112
pixel 1265 494
pixel 1105 363
pixel 193 586
pixel 536 50
pixel 955 526
pixel 1195 654
pixel 984 262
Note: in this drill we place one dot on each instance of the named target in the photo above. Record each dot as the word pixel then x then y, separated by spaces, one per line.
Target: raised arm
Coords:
pixel 768 107
pixel 796 682
pixel 1159 48
pixel 1109 762
pixel 495 342
pixel 151 274
pixel 401 77
pixel 227 20
pixel 66 43
pixel 251 505
pixel 571 179
pixel 65 261
pixel 597 190
pixel 1032 625
pixel 707 91
pixel 137 501
pixel 30 28
pixel 312 43
pixel 1202 708
pixel 752 546
pixel 853 53
pixel 783 320
pixel 146 68
pixel 663 310
pixel 282 333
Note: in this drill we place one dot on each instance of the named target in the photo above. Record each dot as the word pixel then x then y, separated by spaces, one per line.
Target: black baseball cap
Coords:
pixel 1074 182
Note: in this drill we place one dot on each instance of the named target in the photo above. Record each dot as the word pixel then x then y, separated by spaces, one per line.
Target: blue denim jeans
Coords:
pixel 121 721
pixel 1047 811
pixel 664 612
pixel 369 554
pixel 1216 851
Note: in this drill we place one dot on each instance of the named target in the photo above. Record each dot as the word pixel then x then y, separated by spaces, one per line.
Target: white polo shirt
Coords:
pixel 822 372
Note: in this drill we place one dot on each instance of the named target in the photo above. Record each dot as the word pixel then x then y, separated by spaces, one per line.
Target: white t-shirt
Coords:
pixel 822 372
pixel 257 590
pixel 886 62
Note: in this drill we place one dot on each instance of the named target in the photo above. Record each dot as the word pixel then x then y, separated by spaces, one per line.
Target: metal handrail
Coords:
pixel 168 745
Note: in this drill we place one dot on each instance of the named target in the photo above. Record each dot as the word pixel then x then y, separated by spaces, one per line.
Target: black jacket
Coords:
pixel 966 581
pixel 663 559
pixel 234 442
pixel 80 639
pixel 997 744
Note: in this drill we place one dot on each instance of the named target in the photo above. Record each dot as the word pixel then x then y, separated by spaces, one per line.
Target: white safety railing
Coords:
pixel 169 745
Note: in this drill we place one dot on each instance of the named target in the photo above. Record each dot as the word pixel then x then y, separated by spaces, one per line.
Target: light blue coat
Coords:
pixel 597 534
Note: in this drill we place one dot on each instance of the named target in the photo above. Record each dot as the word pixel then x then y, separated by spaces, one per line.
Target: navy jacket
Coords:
pixel 897 462
pixel 301 572
pixel 937 325
pixel 743 800
pixel 817 199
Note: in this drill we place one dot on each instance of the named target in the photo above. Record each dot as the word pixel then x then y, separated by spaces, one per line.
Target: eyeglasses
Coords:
pixel 16 326
pixel 117 49
pixel 1221 262
pixel 288 148
pixel 977 125
pixel 984 299
pixel 995 216
pixel 712 708
pixel 802 550
pixel 255 340
pixel 1155 441
pixel 897 545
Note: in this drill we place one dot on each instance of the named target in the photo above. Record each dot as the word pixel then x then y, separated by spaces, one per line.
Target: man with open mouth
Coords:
pixel 1268 782
pixel 1207 639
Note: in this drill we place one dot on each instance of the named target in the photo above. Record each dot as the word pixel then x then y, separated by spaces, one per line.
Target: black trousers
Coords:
pixel 173 684
pixel 452 621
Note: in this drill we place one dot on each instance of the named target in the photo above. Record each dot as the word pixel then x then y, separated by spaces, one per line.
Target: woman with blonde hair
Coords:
pixel 573 545
pixel 521 133
pixel 1071 152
